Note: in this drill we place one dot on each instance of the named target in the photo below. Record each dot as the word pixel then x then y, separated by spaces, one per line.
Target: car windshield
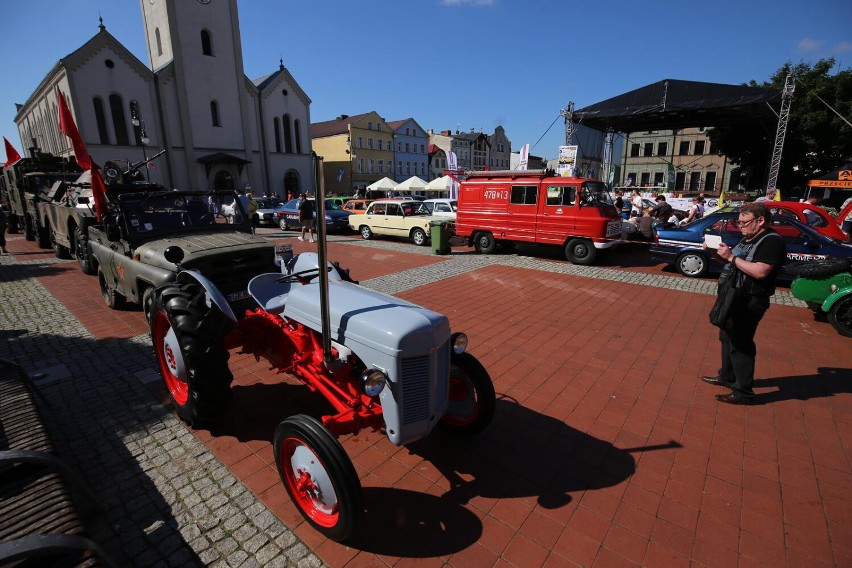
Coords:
pixel 414 208
pixel 268 203
pixel 170 210
pixel 594 194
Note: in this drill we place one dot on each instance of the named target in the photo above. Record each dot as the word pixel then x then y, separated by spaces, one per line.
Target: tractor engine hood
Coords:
pixel 211 251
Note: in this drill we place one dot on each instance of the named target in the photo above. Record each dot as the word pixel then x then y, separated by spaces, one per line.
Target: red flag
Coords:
pixel 98 194
pixel 67 127
pixel 12 155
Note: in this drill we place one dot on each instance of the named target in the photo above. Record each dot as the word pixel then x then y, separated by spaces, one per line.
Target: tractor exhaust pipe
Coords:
pixel 325 315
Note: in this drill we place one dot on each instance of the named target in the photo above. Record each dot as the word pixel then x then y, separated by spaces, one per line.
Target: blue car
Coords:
pixel 681 247
pixel 336 219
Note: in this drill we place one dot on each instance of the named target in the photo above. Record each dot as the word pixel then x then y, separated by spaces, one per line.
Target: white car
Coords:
pixel 394 217
pixel 441 208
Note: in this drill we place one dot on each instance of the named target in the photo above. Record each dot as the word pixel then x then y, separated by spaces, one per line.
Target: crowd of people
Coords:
pixel 641 220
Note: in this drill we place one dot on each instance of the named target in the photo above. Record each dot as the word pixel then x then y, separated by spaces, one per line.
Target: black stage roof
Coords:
pixel 674 104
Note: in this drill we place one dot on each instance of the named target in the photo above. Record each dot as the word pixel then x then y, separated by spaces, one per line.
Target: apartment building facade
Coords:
pixel 411 150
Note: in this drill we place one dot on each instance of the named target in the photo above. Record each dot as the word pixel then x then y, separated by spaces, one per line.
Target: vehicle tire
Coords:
pixel 82 252
pixel 61 252
pixel 693 264
pixel 147 302
pixel 418 237
pixel 840 316
pixel 43 237
pixel 187 338
pixel 112 298
pixel 822 268
pixel 485 243
pixel 29 230
pixel 472 397
pixel 581 251
pixel 366 233
pixel 318 475
pixel 282 224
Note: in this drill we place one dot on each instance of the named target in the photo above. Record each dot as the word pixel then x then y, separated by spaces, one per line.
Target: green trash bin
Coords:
pixel 440 234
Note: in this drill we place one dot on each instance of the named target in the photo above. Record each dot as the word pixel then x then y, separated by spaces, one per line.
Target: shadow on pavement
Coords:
pixel 829 381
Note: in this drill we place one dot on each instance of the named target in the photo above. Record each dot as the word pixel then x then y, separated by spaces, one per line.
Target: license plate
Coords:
pixel 237 296
pixel 613 228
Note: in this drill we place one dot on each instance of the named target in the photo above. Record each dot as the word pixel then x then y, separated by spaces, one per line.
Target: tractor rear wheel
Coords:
pixel 187 338
pixel 318 475
pixel 472 397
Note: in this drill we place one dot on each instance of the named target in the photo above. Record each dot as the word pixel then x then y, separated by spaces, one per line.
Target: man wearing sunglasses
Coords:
pixel 758 258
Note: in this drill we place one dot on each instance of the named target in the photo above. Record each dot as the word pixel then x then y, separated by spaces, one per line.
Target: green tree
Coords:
pixel 818 141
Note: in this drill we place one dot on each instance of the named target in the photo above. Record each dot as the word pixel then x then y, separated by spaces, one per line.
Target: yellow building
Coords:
pixel 356 151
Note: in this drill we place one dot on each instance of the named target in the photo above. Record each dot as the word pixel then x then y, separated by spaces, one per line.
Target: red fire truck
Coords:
pixel 534 206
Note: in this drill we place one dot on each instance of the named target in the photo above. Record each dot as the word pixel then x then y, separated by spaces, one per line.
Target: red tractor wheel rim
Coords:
pixel 167 355
pixel 464 406
pixel 304 480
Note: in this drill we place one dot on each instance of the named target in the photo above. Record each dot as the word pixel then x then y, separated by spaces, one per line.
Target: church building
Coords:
pixel 215 127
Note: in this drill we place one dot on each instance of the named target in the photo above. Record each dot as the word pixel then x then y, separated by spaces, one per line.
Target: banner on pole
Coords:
pixel 567 160
pixel 525 157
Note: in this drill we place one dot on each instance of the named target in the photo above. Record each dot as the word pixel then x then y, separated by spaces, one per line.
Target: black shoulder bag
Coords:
pixel 726 296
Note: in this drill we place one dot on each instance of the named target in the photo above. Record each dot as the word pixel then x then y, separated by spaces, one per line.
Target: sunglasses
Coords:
pixel 746 223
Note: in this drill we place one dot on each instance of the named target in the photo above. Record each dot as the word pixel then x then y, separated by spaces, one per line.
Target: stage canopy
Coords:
pixel 674 104
pixel 841 178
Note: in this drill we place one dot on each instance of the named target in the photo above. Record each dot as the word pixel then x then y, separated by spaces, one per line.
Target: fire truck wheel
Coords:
pixel 581 251
pixel 318 475
pixel 81 250
pixel 187 338
pixel 112 298
pixel 366 232
pixel 472 398
pixel 693 264
pixel 840 316
pixel 485 243
pixel 418 237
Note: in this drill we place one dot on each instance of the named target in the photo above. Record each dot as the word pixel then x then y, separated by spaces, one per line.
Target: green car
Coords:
pixel 826 286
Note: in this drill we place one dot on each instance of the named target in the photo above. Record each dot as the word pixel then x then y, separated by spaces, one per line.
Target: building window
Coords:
pixel 288 138
pixel 370 145
pixel 646 179
pixel 297 127
pixel 371 166
pixel 634 150
pixel 699 147
pixel 630 179
pixel 159 41
pixel 662 148
pixel 649 148
pixel 276 127
pixel 399 166
pixel 380 142
pixel 100 118
pixel 422 149
pixel 360 142
pixel 694 181
pixel 658 178
pixel 369 126
pixel 390 167
pixel 360 165
pixel 381 166
pixel 407 148
pixel 206 43
pixel 214 113
pixel 399 146
pixel 408 168
pixel 684 148
pixel 710 181
pixel 118 123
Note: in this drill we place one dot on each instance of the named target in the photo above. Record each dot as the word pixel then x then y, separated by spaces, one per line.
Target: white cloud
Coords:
pixel 471 2
pixel 842 47
pixel 809 45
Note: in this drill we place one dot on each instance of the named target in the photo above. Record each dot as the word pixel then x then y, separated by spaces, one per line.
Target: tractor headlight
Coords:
pixel 458 342
pixel 373 381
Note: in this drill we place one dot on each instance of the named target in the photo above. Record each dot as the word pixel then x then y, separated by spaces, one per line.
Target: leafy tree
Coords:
pixel 818 141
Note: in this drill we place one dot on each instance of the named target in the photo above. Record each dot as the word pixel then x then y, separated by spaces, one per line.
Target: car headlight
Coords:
pixel 373 381
pixel 458 341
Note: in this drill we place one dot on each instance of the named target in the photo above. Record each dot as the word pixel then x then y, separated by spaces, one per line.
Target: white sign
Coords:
pixel 525 157
pixel 567 160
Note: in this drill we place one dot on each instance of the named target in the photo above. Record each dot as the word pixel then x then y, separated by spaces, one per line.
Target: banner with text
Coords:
pixel 567 161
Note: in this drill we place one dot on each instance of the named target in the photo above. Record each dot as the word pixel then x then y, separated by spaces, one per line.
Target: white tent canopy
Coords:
pixel 383 184
pixel 413 183
pixel 442 184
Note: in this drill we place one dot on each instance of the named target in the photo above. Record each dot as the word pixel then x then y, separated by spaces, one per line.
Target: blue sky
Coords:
pixel 419 57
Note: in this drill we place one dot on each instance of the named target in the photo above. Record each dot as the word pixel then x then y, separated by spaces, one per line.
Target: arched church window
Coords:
pixel 297 127
pixel 277 128
pixel 206 43
pixel 118 121
pixel 214 113
pixel 288 140
pixel 100 118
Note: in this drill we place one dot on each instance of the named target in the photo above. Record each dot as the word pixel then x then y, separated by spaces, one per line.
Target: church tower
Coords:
pixel 195 50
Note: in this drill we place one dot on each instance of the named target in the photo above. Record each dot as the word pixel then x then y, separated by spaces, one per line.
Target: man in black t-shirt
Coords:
pixel 661 211
pixel 758 259
pixel 306 217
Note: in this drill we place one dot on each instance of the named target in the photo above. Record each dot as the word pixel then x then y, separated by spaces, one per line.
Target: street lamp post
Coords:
pixel 139 131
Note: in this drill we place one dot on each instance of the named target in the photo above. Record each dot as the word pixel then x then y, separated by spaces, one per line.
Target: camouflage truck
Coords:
pixel 127 249
pixel 28 183
pixel 67 214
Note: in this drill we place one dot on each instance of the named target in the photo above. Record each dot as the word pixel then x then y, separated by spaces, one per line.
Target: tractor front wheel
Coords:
pixel 187 338
pixel 472 397
pixel 318 475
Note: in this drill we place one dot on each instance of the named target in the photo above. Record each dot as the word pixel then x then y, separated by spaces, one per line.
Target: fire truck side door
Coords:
pixel 558 214
pixel 523 210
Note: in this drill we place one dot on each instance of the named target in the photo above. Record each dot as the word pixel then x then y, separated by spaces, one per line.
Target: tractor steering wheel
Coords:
pixel 303 276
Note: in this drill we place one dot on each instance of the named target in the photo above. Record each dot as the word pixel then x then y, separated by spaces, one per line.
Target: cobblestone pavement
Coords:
pixel 165 499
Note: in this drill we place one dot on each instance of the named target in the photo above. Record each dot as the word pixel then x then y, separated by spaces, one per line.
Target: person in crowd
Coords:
pixel 3 221
pixel 646 225
pixel 814 219
pixel 306 217
pixel 661 211
pixel 696 211
pixel 758 258
pixel 635 204
pixel 770 196
pixel 619 200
